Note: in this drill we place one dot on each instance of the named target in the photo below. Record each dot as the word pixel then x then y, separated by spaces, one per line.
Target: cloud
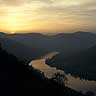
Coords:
pixel 13 2
pixel 78 9
pixel 21 2
pixel 44 1
pixel 58 11
pixel 57 8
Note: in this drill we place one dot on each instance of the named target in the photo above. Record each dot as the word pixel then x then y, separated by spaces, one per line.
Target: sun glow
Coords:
pixel 46 16
pixel 12 22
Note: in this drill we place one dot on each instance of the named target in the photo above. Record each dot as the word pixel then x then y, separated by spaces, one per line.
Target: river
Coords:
pixel 73 82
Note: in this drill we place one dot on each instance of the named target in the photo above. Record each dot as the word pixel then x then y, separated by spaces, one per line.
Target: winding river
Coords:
pixel 73 82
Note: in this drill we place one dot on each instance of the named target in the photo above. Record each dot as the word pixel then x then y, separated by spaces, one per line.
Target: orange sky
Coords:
pixel 47 15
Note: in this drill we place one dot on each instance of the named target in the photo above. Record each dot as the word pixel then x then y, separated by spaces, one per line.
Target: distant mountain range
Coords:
pixel 82 64
pixel 34 45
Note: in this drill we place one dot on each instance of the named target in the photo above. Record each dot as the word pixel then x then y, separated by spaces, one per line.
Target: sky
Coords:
pixel 47 16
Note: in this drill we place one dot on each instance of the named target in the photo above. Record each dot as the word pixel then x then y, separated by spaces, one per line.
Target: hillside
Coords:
pixel 20 50
pixel 82 64
pixel 18 79
pixel 34 45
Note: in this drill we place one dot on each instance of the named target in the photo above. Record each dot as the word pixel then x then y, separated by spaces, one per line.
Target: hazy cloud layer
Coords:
pixel 76 12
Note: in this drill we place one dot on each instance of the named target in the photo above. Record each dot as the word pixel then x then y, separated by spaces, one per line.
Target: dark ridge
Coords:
pixel 37 34
pixel 75 33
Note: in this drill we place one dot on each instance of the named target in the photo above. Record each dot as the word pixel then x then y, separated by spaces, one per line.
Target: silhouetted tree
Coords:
pixel 59 78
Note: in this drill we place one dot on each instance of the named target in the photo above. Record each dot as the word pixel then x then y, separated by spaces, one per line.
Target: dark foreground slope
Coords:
pixel 18 79
pixel 82 64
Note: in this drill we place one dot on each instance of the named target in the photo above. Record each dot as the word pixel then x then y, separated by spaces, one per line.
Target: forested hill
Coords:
pixel 82 64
